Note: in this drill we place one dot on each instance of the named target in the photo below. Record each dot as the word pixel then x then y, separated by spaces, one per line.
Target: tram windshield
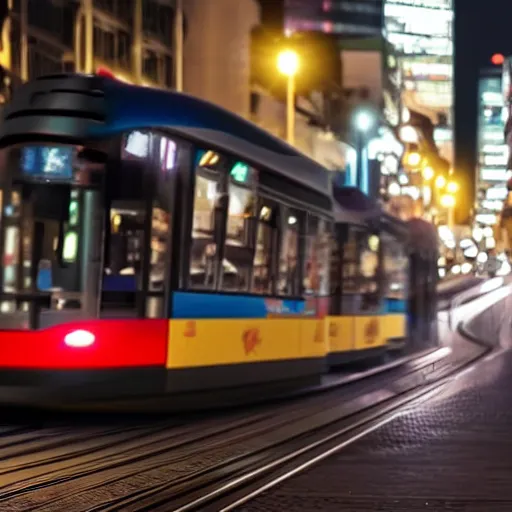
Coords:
pixel 49 196
pixel 83 231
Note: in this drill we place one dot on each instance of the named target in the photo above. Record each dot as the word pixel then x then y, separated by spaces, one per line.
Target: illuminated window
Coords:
pixel 395 263
pixel 239 245
pixel 317 258
pixel 203 262
pixel 360 270
pixel 291 227
pixel 266 245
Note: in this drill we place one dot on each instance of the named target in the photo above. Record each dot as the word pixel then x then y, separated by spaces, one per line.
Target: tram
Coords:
pixel 154 243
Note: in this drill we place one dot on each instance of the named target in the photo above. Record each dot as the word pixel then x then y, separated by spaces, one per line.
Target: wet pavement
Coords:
pixel 452 453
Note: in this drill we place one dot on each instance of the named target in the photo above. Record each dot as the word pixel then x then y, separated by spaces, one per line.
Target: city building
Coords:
pixel 421 32
pixel 347 18
pixel 135 41
pixel 491 172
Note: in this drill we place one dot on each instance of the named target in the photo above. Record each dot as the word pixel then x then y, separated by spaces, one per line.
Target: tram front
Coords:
pixel 85 243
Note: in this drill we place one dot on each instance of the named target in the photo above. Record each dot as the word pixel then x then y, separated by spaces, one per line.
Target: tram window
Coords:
pixel 239 245
pixel 207 200
pixel 288 283
pixel 395 264
pixel 351 261
pixel 266 241
pixel 361 263
pixel 335 260
pixel 139 192
pixel 162 165
pixel 126 191
pixel 324 254
pixel 317 266
pixel 311 281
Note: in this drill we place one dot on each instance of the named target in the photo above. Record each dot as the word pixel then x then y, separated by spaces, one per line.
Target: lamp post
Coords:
pixel 448 202
pixel 178 42
pixel 363 122
pixel 288 65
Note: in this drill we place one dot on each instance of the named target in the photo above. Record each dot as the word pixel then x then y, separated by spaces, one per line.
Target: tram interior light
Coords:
pixel 137 144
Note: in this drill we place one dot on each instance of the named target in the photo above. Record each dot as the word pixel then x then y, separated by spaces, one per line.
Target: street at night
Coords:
pixel 255 255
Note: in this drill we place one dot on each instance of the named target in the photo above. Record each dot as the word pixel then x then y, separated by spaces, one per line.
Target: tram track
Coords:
pixel 87 456
pixel 177 464
pixel 151 439
pixel 119 468
pixel 230 493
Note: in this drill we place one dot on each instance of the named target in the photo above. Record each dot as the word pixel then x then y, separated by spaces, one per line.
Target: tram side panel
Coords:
pixel 218 341
pixel 358 326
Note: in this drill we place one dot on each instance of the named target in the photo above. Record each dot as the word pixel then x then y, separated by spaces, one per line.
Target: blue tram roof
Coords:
pixel 127 107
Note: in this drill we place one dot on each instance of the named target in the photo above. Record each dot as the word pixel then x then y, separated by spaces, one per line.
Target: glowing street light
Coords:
pixel 440 181
pixel 363 121
pixel 452 187
pixel 413 159
pixel 288 64
pixel 428 173
pixel 447 201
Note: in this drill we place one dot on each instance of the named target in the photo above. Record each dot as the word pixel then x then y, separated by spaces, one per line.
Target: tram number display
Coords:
pixel 47 162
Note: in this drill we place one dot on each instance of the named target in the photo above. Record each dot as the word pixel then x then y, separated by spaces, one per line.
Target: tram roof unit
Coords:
pixel 71 107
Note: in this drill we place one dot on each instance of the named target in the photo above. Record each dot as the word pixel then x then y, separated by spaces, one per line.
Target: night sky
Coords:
pixel 482 28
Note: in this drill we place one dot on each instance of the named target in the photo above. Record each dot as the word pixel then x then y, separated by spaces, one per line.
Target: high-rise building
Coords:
pixel 350 18
pixel 421 33
pixel 491 173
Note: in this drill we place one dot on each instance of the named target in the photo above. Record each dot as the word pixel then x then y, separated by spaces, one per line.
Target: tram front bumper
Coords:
pixel 19 386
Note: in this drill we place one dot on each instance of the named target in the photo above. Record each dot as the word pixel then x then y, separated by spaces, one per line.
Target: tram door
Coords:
pixel 139 192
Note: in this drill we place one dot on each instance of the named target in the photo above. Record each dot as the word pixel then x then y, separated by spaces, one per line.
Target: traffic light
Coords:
pixel 497 59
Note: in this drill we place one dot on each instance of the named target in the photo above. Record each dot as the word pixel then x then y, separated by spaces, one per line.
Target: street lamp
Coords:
pixel 440 181
pixel 428 173
pixel 413 159
pixel 363 122
pixel 288 65
pixel 452 187
pixel 448 202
